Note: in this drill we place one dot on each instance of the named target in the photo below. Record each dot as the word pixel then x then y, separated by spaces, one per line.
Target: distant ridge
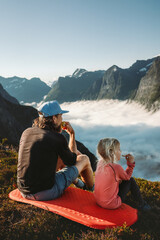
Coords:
pixel 72 88
pixel 148 92
pixel 25 90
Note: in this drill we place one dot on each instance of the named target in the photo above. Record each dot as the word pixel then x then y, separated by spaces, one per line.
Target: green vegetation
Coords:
pixel 22 221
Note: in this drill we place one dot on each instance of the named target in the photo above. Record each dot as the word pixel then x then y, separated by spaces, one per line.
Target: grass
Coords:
pixel 22 221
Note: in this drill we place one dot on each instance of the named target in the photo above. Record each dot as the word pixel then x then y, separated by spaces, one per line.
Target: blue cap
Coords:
pixel 51 108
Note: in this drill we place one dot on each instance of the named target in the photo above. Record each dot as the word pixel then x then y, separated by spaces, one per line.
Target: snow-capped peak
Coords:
pixel 115 69
pixel 145 69
pixel 79 72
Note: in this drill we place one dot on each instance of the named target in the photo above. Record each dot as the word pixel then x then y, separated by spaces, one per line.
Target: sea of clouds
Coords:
pixel 137 130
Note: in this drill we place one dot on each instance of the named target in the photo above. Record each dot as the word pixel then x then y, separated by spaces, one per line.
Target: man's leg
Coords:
pixel 63 179
pixel 85 170
pixel 84 150
pixel 60 165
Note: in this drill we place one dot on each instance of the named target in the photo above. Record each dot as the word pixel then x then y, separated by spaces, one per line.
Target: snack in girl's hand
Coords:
pixel 129 158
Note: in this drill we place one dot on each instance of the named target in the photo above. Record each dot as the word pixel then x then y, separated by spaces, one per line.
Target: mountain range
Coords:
pixel 25 90
pixel 72 88
pixel 140 82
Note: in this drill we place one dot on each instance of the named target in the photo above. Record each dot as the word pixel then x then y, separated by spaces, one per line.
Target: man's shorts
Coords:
pixel 63 179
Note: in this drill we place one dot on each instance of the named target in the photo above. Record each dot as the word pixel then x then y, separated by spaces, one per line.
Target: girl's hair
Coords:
pixel 107 148
pixel 44 123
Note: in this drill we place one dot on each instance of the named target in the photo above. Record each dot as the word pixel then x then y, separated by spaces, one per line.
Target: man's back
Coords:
pixel 37 160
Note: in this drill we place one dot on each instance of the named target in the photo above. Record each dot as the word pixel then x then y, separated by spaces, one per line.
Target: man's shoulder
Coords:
pixel 43 132
pixel 27 130
pixel 31 129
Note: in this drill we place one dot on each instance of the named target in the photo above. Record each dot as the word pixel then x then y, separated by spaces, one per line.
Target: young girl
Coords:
pixel 112 182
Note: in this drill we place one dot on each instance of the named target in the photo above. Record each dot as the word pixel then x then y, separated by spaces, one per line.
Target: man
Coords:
pixel 40 148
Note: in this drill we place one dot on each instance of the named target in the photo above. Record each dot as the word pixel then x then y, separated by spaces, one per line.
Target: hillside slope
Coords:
pixel 14 119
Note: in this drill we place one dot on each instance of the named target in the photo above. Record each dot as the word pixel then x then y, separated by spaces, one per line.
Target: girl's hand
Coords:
pixel 129 158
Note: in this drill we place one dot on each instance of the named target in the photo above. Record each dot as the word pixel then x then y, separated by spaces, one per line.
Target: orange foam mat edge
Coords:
pixel 80 206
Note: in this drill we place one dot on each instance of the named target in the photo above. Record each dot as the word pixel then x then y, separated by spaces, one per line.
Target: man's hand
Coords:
pixel 68 128
pixel 72 143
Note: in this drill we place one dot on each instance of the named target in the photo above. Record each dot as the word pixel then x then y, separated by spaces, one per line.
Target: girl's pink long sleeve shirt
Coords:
pixel 107 177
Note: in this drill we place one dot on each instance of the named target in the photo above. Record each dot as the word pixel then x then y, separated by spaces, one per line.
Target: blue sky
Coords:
pixel 51 38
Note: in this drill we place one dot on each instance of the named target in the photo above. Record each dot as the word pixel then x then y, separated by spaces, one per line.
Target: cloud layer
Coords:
pixel 137 130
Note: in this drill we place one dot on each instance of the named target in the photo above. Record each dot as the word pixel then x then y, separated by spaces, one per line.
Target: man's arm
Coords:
pixel 72 143
pixel 82 149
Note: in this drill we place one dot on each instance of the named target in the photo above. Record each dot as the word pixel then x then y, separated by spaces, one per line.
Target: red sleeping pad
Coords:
pixel 80 206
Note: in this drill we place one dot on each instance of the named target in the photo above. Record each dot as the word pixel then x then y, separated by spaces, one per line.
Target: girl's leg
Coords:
pixel 135 191
pixel 132 186
pixel 124 188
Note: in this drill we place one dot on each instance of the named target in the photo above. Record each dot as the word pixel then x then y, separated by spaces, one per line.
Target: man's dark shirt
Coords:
pixel 37 159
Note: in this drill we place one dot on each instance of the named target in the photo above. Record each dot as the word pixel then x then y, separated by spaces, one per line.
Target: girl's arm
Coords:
pixel 124 174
